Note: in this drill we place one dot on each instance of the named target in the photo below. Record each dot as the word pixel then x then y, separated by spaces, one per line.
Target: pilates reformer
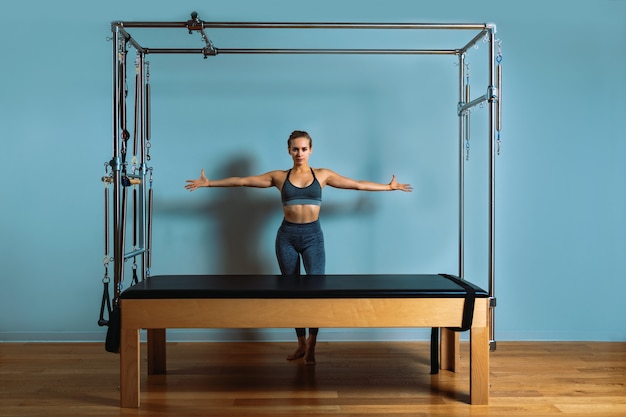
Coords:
pixel 445 303
pixel 326 301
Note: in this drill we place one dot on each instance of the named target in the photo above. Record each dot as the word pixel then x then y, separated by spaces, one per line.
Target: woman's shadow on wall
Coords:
pixel 240 216
pixel 231 219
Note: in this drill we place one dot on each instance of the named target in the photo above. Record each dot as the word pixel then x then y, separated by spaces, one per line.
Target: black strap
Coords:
pixel 106 304
pixel 466 321
pixel 468 307
pixel 434 350
pixel 135 277
pixel 114 322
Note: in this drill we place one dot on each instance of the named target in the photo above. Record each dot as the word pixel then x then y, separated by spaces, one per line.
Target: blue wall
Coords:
pixel 561 194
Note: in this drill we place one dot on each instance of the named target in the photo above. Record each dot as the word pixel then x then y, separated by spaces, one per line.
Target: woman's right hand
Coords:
pixel 203 181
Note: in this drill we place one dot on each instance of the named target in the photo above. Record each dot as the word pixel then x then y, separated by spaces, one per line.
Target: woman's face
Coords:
pixel 300 149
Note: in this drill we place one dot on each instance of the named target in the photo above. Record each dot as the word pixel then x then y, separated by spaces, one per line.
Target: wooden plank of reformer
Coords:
pixel 287 313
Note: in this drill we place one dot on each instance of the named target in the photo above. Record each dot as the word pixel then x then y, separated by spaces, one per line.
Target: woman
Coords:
pixel 300 234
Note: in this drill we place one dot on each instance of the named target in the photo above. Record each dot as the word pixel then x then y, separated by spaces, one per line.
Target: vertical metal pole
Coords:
pixel 115 41
pixel 139 112
pixel 149 232
pixel 146 142
pixel 147 102
pixel 493 103
pixel 106 224
pixel 462 128
pixel 116 165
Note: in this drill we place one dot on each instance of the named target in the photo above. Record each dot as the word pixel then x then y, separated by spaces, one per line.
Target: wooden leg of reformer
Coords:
pixel 449 350
pixel 479 365
pixel 157 362
pixel 129 368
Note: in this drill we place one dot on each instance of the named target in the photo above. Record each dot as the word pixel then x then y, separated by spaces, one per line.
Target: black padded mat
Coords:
pixel 307 286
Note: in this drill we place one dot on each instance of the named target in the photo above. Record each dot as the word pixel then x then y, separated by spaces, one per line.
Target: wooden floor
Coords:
pixel 350 379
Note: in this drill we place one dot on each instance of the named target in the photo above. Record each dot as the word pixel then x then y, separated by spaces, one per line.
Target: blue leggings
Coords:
pixel 306 240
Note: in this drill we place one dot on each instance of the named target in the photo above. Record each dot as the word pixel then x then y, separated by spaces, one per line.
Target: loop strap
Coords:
pixel 106 304
pixel 468 307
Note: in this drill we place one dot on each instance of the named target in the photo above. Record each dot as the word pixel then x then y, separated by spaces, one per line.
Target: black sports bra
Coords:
pixel 292 195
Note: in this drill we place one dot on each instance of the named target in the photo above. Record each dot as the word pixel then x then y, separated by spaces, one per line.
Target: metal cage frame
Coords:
pixel 141 175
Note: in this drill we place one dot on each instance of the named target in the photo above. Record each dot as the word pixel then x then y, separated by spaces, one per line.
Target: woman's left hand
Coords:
pixel 394 185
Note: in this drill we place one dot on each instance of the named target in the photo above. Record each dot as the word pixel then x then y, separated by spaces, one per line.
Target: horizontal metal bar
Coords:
pixel 305 25
pixel 148 25
pixel 175 50
pixel 134 253
pixel 302 51
pixel 464 107
pixel 339 25
pixel 340 51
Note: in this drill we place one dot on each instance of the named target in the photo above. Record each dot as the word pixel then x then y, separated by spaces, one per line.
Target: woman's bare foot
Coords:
pixel 297 354
pixel 300 350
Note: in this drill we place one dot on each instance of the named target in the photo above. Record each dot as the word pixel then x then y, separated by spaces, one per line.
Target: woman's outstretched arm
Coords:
pixel 335 180
pixel 258 181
